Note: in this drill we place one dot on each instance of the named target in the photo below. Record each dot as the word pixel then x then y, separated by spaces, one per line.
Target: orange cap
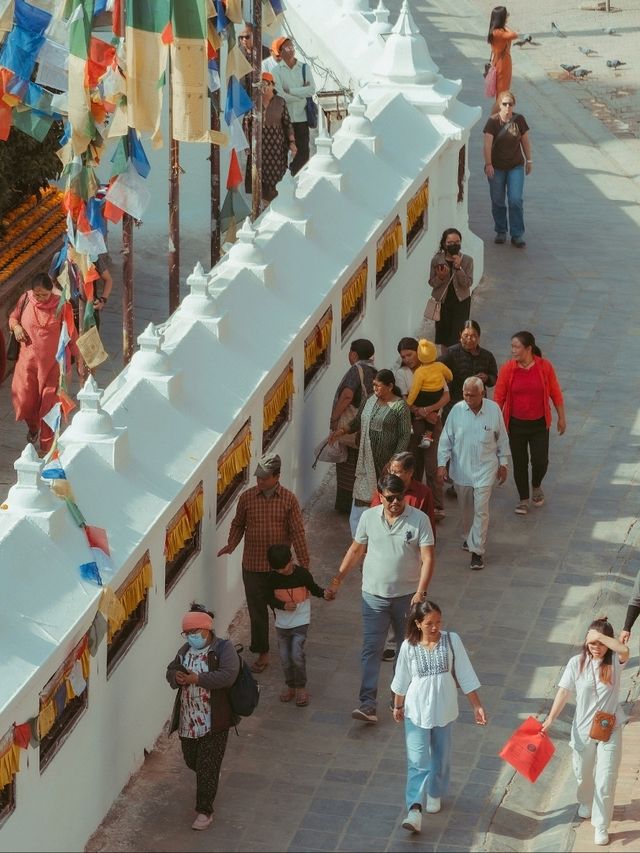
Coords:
pixel 276 45
pixel 266 75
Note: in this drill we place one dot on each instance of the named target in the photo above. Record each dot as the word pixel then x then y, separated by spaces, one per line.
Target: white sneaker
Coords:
pixel 413 821
pixel 433 804
pixel 202 821
pixel 584 811
pixel 601 837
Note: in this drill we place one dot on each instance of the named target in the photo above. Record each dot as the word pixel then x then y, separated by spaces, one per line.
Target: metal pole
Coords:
pixel 256 135
pixel 214 159
pixel 127 288
pixel 174 208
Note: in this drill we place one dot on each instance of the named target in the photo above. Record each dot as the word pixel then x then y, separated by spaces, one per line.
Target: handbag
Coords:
pixel 351 439
pixel 603 724
pixel 491 82
pixel 433 308
pixel 311 108
pixel 453 660
pixel 13 347
pixel 333 453
pixel 528 750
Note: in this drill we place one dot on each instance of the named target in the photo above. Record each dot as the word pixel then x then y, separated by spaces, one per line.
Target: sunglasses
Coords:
pixel 244 37
pixel 506 103
pixel 393 498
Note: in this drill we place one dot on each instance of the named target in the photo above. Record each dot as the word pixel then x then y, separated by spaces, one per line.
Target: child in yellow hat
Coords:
pixel 429 381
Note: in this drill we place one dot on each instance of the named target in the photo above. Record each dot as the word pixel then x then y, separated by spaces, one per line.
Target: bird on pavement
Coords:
pixel 609 31
pixel 587 51
pixel 569 68
pixel 524 39
pixel 557 31
pixel 581 72
pixel 614 63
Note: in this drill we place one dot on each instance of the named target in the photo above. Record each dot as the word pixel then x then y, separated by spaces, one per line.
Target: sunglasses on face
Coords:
pixel 393 498
pixel 506 103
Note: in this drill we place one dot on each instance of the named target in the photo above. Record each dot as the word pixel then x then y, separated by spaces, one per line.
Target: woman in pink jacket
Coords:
pixel 525 385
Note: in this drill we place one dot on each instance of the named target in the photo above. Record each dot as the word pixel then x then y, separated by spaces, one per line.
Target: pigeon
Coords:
pixel 609 31
pixel 525 39
pixel 587 51
pixel 581 72
pixel 557 31
pixel 569 68
pixel 614 63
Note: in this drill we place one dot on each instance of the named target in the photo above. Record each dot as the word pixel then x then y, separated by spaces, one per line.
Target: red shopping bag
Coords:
pixel 528 750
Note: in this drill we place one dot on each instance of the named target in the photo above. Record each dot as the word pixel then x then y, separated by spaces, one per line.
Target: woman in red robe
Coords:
pixel 36 377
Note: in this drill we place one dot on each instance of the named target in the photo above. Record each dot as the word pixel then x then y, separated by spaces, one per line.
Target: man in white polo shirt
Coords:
pixel 295 83
pixel 396 541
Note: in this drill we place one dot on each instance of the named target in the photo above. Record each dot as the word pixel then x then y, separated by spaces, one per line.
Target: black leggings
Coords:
pixel 528 438
pixel 204 756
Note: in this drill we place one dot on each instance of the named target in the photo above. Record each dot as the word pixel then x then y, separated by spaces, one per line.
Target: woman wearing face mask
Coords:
pixel 430 662
pixel 202 670
pixel 593 677
pixel 450 280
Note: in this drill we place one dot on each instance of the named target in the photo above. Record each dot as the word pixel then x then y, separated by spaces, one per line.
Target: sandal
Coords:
pixel 257 666
pixel 302 698
pixel 287 695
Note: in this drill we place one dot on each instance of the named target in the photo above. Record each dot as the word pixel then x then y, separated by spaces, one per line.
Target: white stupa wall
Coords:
pixel 135 453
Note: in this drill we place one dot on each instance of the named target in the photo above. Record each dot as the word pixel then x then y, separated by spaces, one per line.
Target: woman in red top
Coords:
pixel 525 385
pixel 500 38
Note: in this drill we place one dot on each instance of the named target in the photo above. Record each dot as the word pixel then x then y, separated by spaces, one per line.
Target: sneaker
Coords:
pixel 367 715
pixel 518 242
pixel 202 821
pixel 601 837
pixel 500 238
pixel 389 654
pixel 433 804
pixel 465 547
pixel 477 562
pixel 425 442
pixel 584 811
pixel 537 497
pixel 413 821
pixel 522 508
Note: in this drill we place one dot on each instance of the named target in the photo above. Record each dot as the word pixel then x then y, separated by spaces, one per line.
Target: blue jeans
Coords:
pixel 354 517
pixel 511 184
pixel 428 761
pixel 291 643
pixel 377 614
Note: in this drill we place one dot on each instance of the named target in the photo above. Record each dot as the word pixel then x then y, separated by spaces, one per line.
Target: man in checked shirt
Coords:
pixel 267 514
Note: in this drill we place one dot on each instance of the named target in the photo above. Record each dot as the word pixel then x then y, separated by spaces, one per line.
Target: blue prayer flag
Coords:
pixel 89 572
pixel 238 102
pixel 20 51
pixel 31 18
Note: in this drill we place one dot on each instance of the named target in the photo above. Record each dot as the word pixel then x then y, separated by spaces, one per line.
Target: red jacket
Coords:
pixel 502 390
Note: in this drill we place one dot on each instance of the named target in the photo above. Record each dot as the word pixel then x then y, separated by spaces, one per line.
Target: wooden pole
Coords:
pixel 174 208
pixel 127 288
pixel 256 123
pixel 214 159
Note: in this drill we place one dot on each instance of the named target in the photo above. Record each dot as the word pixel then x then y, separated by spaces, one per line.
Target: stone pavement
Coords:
pixel 313 779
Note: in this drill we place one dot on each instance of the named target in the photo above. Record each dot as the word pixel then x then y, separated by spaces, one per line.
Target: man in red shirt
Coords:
pixel 416 494
pixel 267 514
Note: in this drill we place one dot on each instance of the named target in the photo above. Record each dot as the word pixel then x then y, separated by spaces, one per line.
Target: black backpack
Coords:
pixel 244 693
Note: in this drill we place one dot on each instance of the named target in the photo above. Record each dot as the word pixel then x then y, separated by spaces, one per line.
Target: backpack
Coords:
pixel 244 693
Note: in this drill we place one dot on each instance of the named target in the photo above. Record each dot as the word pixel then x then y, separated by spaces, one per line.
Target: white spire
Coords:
pixel 286 203
pixel 150 360
pixel 323 161
pixel 406 58
pixel 356 124
pixel 245 251
pixel 198 303
pixel 380 25
pixel 30 494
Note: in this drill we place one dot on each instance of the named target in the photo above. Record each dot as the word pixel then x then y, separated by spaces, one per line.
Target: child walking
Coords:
pixel 429 381
pixel 291 588
pixel 202 670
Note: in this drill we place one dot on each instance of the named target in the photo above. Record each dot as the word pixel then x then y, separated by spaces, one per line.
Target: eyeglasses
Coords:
pixel 506 103
pixel 393 498
pixel 247 36
pixel 186 634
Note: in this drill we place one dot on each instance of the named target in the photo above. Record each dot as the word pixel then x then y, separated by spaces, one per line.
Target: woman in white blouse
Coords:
pixel 593 677
pixel 429 664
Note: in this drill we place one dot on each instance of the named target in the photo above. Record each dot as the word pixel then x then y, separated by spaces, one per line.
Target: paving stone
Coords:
pixel 313 839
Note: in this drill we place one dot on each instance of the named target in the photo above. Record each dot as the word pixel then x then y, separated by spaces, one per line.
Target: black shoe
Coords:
pixel 389 654
pixel 500 238
pixel 518 242
pixel 477 562
pixel 465 547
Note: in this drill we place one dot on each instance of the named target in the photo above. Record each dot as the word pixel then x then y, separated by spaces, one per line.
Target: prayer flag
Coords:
pixel 102 561
pixel 53 469
pixel 237 64
pixel 234 176
pixel 146 58
pixel 238 139
pixel 52 418
pixel 137 154
pixel 90 572
pixel 66 404
pixel 31 18
pixel 214 75
pixel 221 19
pixel 82 123
pixel 20 51
pixel 189 71
pixel 22 735
pixel 238 102
pixel 97 538
pixel 234 209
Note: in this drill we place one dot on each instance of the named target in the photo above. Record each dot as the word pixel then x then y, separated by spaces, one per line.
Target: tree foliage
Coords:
pixel 27 166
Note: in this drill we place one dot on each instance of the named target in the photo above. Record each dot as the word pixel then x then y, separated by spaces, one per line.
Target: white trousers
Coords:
pixel 474 508
pixel 596 770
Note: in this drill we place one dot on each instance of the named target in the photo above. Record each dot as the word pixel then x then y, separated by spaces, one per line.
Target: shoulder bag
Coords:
pixel 490 75
pixel 351 439
pixel 433 309
pixel 333 453
pixel 453 659
pixel 311 107
pixel 13 347
pixel 603 724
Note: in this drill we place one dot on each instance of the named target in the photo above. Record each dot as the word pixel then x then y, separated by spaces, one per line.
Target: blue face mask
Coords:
pixel 197 641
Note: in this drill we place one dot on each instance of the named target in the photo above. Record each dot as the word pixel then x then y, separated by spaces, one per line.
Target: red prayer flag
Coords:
pixel 234 177
pixel 117 19
pixel 97 538
pixel 67 314
pixel 22 735
pixel 66 404
pixel 167 34
pixel 5 122
pixel 528 750
pixel 111 212
pixel 82 222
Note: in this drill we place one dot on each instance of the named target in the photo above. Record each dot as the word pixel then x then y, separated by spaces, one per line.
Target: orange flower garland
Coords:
pixel 32 226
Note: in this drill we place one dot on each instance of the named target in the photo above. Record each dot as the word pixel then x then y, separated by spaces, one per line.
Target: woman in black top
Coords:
pixel 467 359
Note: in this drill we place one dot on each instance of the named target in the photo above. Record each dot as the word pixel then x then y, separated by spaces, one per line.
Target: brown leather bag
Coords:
pixel 603 724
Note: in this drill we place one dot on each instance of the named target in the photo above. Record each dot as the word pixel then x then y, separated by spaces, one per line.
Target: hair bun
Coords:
pixel 602 619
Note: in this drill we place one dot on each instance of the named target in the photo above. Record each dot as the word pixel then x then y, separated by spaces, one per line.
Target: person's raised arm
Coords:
pixel 616 646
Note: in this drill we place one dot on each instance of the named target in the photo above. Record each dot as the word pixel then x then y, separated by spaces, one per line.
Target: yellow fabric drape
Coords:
pixel 195 507
pixel 317 343
pixel 111 608
pixel 46 718
pixel 9 764
pixel 178 535
pixel 354 290
pixel 117 607
pixel 389 244
pixel 48 711
pixel 234 461
pixel 277 399
pixel 417 205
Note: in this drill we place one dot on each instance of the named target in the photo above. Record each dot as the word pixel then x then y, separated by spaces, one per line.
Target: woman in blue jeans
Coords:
pixel 507 159
pixel 430 664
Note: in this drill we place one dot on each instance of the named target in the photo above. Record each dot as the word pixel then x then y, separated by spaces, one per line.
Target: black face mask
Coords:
pixel 452 248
